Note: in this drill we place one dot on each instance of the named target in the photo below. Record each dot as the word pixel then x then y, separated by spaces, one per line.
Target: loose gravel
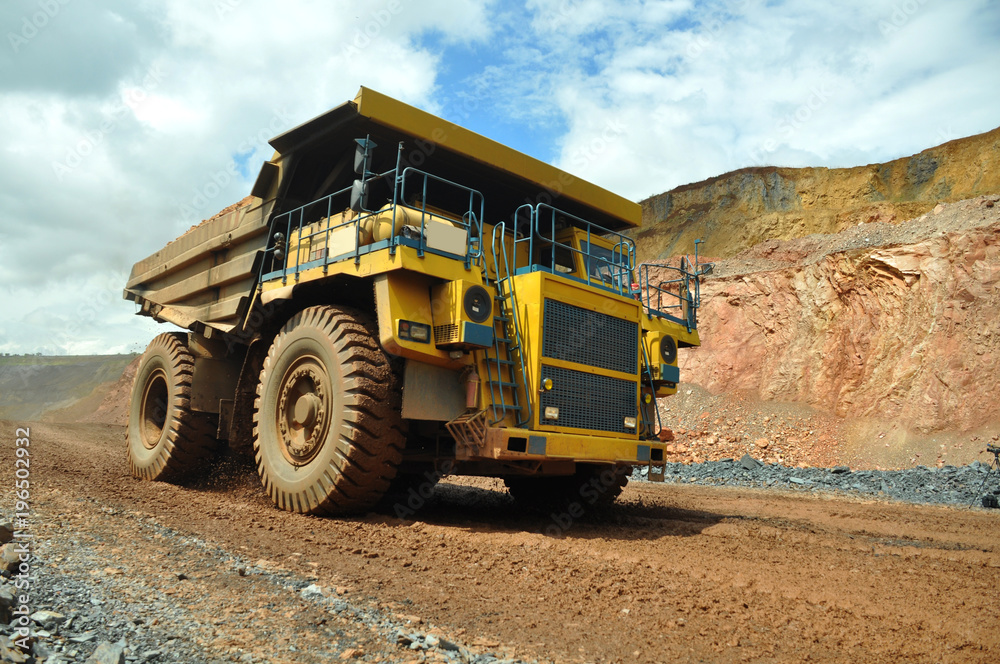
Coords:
pixel 949 485
pixel 84 611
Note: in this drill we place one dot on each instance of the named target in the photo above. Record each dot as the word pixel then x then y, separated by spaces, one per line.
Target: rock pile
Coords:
pixel 41 636
pixel 949 485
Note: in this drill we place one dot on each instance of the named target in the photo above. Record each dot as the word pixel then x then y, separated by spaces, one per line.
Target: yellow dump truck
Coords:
pixel 400 299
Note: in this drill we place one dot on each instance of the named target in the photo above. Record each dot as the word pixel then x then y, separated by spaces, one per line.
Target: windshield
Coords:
pixel 603 264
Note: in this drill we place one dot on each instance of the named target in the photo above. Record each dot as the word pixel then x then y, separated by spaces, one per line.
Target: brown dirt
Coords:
pixel 244 202
pixel 678 573
pixel 113 408
pixel 709 427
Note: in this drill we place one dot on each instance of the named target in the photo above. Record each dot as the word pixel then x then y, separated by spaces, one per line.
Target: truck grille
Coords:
pixel 587 337
pixel 586 401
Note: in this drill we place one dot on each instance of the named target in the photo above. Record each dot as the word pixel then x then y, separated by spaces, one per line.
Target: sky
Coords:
pixel 124 123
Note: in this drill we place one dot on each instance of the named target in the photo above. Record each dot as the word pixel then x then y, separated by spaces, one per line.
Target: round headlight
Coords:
pixel 668 350
pixel 477 304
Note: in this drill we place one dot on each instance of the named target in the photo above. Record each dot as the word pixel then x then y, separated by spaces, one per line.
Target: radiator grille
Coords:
pixel 586 401
pixel 587 337
pixel 446 334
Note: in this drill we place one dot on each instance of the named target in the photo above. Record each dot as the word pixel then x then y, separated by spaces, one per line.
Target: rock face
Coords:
pixel 738 210
pixel 894 321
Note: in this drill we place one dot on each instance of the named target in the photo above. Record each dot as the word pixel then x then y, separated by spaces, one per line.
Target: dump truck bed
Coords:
pixel 207 276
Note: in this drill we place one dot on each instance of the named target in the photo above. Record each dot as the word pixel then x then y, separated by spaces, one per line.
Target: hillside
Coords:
pixel 890 329
pixel 62 387
pixel 738 210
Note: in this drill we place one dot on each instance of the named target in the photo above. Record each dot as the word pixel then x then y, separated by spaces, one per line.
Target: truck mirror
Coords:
pixel 359 196
pixel 363 154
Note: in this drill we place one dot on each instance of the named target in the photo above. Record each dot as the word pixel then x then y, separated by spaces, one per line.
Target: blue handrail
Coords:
pixel 614 270
pixel 277 262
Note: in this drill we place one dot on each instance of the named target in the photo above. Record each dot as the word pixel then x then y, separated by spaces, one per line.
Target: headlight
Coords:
pixel 414 331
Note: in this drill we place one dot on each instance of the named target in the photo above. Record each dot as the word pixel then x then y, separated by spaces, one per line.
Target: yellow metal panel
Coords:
pixel 406 296
pixel 380 262
pixel 579 447
pixel 586 368
pixel 532 290
pixel 392 113
pixel 676 330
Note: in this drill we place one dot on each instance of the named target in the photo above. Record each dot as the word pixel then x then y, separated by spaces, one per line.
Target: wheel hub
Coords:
pixel 153 414
pixel 305 411
pixel 302 411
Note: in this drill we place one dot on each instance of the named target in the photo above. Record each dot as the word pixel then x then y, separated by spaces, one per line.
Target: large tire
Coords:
pixel 592 485
pixel 328 432
pixel 167 441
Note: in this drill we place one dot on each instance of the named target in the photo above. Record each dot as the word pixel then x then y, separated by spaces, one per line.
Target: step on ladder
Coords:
pixel 506 374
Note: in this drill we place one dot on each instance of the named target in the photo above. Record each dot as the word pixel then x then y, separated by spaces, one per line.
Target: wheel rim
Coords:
pixel 303 410
pixel 154 409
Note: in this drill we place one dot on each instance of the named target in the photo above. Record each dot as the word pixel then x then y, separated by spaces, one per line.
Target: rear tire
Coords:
pixel 327 426
pixel 592 485
pixel 167 441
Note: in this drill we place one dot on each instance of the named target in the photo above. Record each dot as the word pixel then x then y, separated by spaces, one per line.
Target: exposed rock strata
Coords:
pixel 740 209
pixel 904 331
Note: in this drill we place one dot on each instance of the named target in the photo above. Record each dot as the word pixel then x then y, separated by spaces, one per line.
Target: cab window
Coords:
pixel 601 263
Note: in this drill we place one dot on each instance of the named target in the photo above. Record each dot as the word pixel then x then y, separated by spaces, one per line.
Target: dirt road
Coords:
pixel 670 574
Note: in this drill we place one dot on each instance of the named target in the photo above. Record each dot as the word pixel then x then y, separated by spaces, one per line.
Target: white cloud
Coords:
pixel 795 84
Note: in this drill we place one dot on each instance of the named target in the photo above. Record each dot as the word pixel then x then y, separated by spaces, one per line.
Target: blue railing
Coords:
pixel 278 261
pixel 607 268
pixel 672 298
pixel 471 221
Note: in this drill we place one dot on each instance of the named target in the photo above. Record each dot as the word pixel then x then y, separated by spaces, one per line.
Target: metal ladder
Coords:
pixel 507 359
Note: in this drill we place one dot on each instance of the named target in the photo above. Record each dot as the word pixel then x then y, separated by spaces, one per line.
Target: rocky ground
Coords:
pixel 957 217
pixel 810 568
pixel 969 486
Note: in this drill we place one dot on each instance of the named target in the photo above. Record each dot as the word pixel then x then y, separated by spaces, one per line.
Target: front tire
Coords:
pixel 167 440
pixel 327 426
